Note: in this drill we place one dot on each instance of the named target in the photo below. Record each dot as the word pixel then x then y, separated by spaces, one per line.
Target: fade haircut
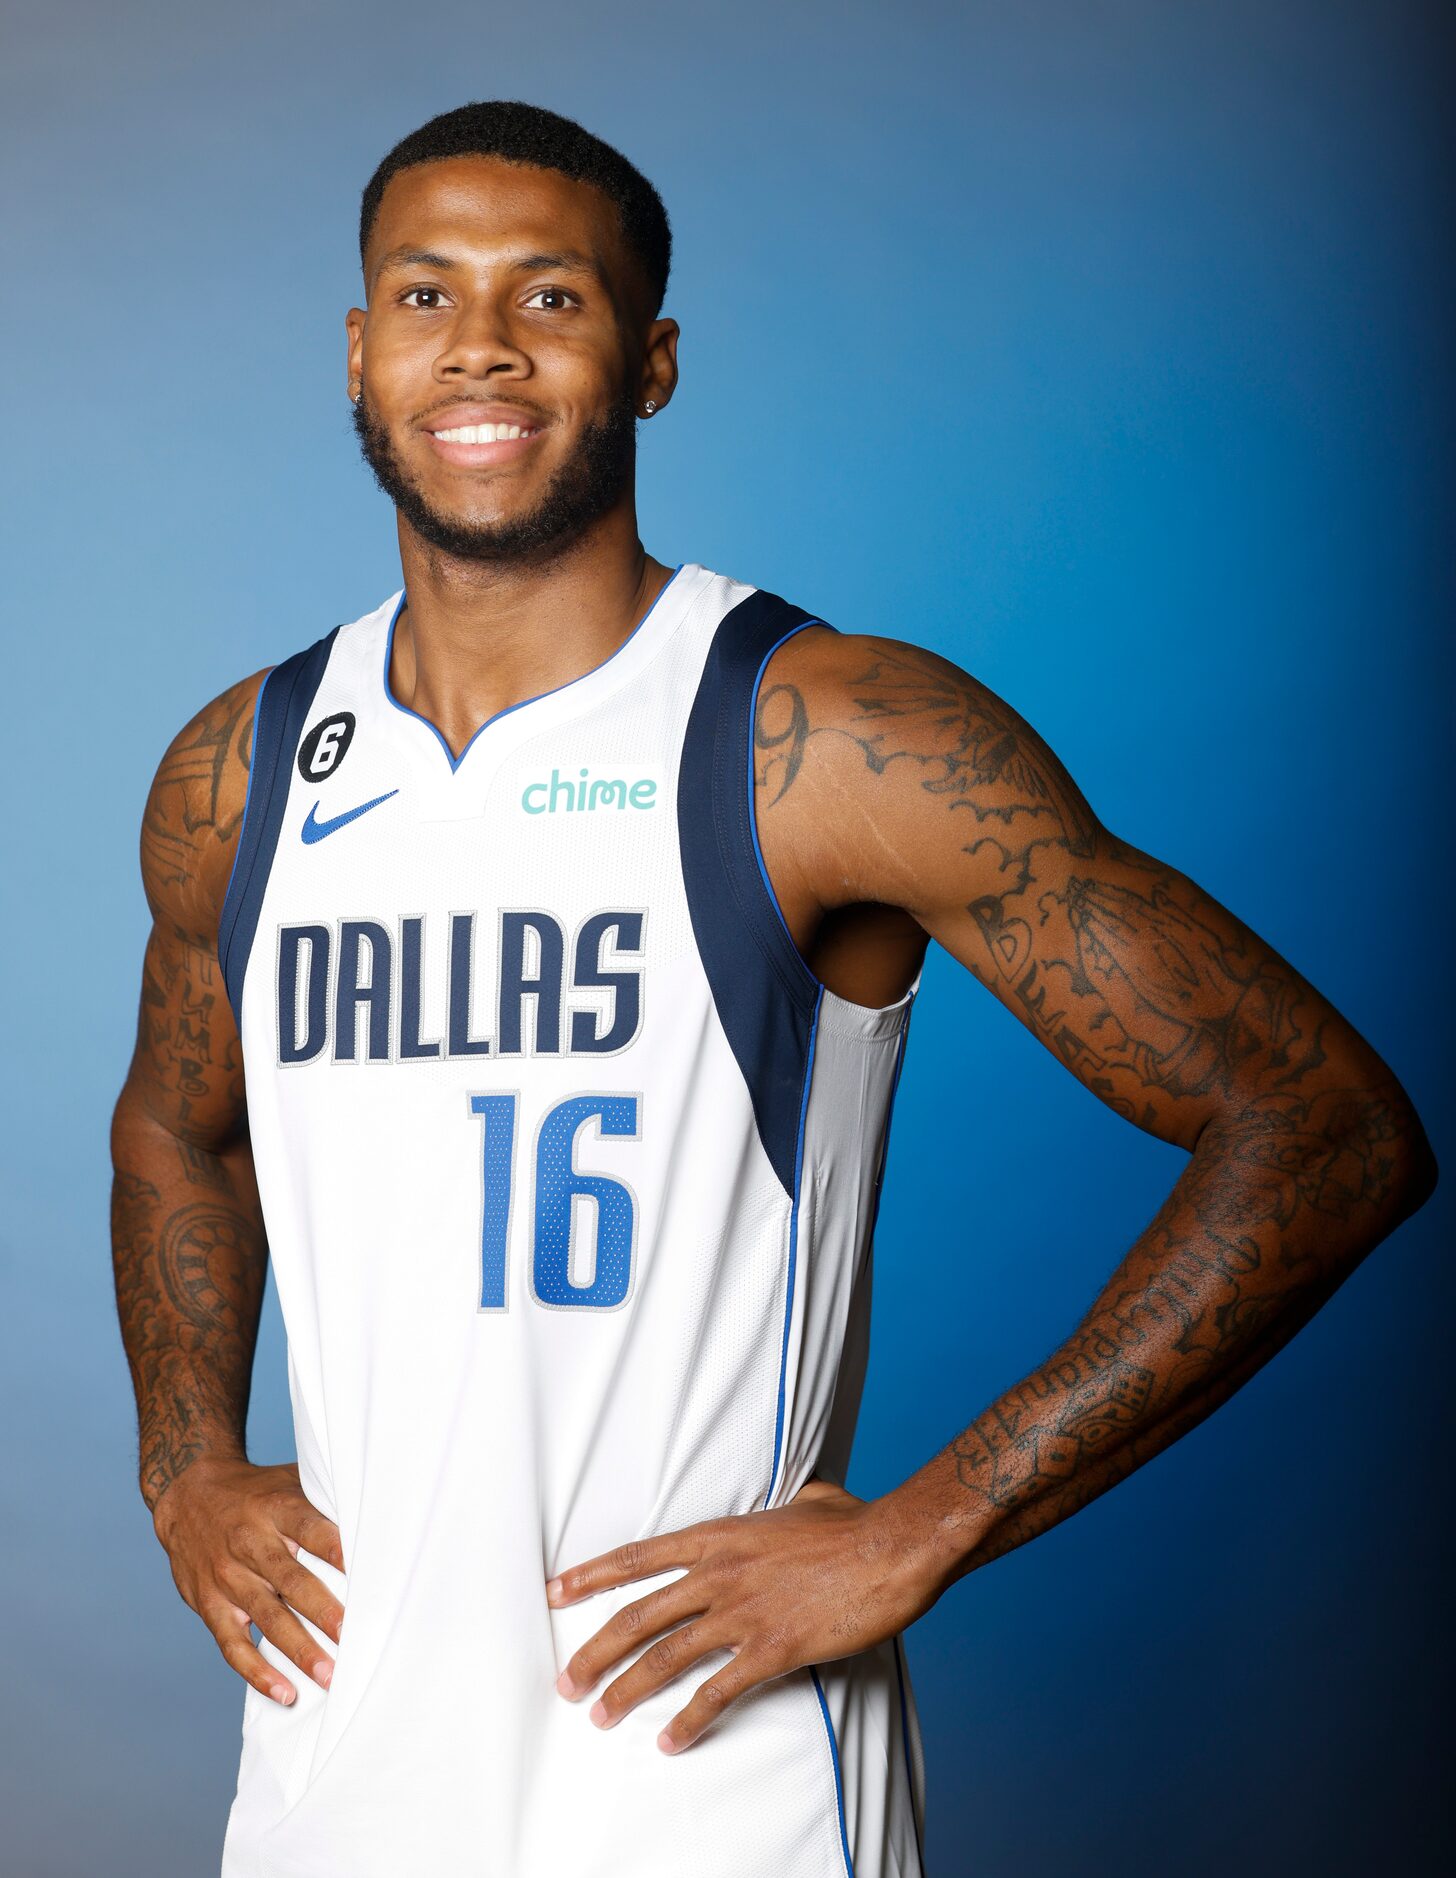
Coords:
pixel 526 133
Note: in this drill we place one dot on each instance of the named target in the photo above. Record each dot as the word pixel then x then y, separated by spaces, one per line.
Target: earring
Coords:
pixel 359 395
pixel 650 406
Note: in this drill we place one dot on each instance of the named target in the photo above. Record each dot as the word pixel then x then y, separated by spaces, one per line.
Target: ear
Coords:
pixel 658 377
pixel 354 361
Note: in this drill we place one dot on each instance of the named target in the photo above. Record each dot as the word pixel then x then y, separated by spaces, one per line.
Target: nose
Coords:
pixel 479 345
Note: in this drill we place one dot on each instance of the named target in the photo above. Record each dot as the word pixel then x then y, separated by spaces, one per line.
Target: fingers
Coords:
pixel 229 1624
pixel 268 1554
pixel 234 1541
pixel 257 1596
pixel 283 1630
pixel 726 1685
pixel 668 1657
pixel 302 1523
pixel 643 1618
pixel 306 1592
pixel 640 1558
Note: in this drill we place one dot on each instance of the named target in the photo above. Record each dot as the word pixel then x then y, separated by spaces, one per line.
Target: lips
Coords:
pixel 482 434
pixel 461 415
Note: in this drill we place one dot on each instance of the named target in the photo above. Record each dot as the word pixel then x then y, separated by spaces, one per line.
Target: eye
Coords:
pixel 407 297
pixel 558 293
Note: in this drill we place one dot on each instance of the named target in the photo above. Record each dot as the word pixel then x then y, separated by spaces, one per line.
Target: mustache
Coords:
pixel 621 404
pixel 478 397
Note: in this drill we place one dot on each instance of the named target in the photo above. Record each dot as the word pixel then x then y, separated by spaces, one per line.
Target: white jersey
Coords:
pixel 570 1167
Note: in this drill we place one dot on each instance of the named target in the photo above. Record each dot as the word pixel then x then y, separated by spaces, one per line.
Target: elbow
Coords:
pixel 1412 1168
pixel 1387 1159
pixel 1421 1174
pixel 123 1127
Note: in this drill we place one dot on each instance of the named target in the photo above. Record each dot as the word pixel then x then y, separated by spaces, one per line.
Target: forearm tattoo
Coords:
pixel 189 1286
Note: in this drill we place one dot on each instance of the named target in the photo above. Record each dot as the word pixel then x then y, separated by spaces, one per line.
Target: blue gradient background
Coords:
pixel 1103 347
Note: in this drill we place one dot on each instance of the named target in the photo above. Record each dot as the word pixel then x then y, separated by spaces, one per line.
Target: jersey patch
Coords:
pixel 325 746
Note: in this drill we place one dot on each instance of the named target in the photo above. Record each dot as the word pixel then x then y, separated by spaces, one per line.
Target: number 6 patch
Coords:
pixel 322 750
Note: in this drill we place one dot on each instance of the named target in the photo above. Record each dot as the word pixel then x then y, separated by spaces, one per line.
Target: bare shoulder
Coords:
pixel 900 750
pixel 194 813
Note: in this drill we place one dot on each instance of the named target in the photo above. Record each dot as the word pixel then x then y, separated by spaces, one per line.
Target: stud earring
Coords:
pixel 650 406
pixel 359 395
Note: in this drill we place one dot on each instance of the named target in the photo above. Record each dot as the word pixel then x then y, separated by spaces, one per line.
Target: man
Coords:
pixel 531 971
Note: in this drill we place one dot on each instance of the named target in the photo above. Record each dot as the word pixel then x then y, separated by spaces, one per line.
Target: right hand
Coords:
pixel 232 1532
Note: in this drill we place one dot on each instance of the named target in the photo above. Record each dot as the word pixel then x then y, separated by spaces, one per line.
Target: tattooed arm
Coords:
pixel 189 1251
pixel 898 799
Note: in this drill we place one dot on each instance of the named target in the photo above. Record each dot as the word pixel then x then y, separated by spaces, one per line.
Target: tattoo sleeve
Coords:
pixel 1304 1149
pixel 1277 1205
pixel 189 1253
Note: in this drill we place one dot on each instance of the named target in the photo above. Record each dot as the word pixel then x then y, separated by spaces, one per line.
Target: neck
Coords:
pixel 475 638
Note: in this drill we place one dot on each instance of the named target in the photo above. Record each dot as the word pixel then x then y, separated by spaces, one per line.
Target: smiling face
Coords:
pixel 507 349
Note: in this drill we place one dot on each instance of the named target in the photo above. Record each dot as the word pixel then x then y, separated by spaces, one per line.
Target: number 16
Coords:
pixel 559 1186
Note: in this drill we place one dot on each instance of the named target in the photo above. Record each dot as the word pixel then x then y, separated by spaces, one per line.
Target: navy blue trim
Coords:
pixel 247 799
pixel 450 756
pixel 765 995
pixel 284 701
pixel 898 1641
pixel 793 1251
pixel 838 1776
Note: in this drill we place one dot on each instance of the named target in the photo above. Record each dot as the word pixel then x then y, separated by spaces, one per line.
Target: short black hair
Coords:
pixel 527 133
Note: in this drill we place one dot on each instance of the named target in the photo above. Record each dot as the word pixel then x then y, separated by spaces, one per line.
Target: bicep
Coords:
pixel 186 1074
pixel 946 802
pixel 1161 1002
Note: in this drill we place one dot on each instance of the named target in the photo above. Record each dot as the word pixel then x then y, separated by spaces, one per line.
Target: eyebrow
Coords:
pixel 567 259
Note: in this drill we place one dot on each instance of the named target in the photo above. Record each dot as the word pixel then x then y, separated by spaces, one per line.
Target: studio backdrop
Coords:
pixel 1104 348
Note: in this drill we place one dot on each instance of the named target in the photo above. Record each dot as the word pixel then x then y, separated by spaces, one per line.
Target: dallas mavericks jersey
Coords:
pixel 570 1167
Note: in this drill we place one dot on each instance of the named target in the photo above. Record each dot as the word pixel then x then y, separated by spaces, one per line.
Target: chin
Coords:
pixel 495 517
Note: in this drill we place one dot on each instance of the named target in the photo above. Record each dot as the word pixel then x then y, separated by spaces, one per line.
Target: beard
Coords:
pixel 579 493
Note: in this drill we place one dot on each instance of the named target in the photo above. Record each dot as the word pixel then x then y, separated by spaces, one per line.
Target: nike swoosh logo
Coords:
pixel 315 830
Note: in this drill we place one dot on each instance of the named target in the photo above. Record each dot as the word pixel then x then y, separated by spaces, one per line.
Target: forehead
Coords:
pixel 482 208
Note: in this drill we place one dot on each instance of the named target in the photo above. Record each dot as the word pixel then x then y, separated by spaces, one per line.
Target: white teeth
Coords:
pixel 480 433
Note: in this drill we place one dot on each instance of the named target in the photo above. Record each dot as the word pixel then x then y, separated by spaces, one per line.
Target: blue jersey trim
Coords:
pixel 450 756
pixel 838 1776
pixel 898 1641
pixel 764 994
pixel 793 1252
pixel 247 798
pixel 284 701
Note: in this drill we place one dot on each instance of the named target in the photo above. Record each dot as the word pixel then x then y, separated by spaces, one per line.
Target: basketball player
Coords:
pixel 531 971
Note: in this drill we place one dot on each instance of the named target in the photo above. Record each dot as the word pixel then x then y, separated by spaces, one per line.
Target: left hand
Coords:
pixel 819 1578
